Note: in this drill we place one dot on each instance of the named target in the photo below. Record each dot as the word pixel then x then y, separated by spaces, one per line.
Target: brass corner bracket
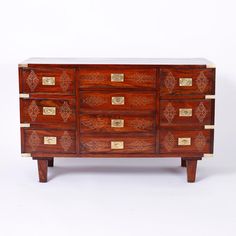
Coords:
pixel 26 154
pixel 208 155
pixel 22 65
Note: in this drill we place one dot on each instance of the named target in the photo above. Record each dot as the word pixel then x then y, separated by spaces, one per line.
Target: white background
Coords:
pixel 105 197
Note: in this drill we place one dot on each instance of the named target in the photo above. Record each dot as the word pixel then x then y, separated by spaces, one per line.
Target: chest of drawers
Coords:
pixel 149 108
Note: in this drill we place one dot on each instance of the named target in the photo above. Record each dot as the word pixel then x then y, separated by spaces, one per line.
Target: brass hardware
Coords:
pixel 50 140
pixel 49 111
pixel 185 112
pixel 209 96
pixel 117 77
pixel 117 144
pixel 208 155
pixel 24 95
pixel 185 82
pixel 211 66
pixel 184 141
pixel 26 154
pixel 22 65
pixel 117 100
pixel 117 123
pixel 48 80
pixel 25 125
pixel 209 126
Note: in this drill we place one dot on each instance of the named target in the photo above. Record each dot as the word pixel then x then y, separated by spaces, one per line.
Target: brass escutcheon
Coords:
pixel 185 82
pixel 48 80
pixel 117 123
pixel 117 100
pixel 49 111
pixel 117 144
pixel 117 77
pixel 184 141
pixel 185 112
pixel 50 140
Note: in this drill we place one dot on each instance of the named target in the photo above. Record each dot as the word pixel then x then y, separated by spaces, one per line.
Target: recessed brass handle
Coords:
pixel 46 80
pixel 117 123
pixel 118 100
pixel 117 144
pixel 50 140
pixel 185 112
pixel 184 141
pixel 49 111
pixel 185 82
pixel 117 77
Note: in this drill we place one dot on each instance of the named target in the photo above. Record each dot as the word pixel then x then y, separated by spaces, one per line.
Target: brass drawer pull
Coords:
pixel 117 144
pixel 185 82
pixel 117 123
pixel 117 77
pixel 50 140
pixel 48 80
pixel 184 141
pixel 117 100
pixel 185 112
pixel 49 111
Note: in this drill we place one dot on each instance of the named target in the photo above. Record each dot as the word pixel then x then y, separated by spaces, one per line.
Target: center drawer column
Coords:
pixel 117 111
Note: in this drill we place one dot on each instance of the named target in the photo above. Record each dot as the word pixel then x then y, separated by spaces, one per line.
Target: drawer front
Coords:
pixel 186 141
pixel 49 141
pixel 48 80
pixel 186 112
pixel 116 123
pixel 117 144
pixel 47 111
pixel 117 78
pixel 118 101
pixel 187 81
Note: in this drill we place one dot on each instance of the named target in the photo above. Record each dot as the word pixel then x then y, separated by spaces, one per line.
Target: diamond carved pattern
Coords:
pixel 33 111
pixel 90 145
pixel 65 81
pixel 32 80
pixel 202 82
pixel 94 76
pixel 141 78
pixel 169 141
pixel 140 145
pixel 200 141
pixel 99 123
pixel 169 112
pixel 66 141
pixel 34 140
pixel 201 112
pixel 65 111
pixel 170 82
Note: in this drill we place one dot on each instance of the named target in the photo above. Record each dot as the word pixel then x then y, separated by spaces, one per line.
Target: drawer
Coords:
pixel 49 141
pixel 187 81
pixel 118 101
pixel 117 123
pixel 197 141
pixel 51 80
pixel 117 144
pixel 47 111
pixel 117 78
pixel 187 112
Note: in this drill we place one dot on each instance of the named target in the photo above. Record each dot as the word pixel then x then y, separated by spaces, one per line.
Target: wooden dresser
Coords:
pixel 85 107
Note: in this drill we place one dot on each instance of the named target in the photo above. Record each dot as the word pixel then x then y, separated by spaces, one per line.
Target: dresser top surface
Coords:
pixel 118 61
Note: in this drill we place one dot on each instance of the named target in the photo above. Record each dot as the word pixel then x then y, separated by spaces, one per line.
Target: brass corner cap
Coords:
pixel 209 126
pixel 208 155
pixel 26 154
pixel 210 96
pixel 24 95
pixel 211 66
pixel 25 125
pixel 22 65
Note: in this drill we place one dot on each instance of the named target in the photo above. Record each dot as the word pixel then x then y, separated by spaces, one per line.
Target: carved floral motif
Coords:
pixel 34 140
pixel 93 100
pixel 202 82
pixel 65 81
pixel 33 110
pixel 141 123
pixel 65 111
pixel 201 112
pixel 66 141
pixel 170 82
pixel 169 112
pixel 169 141
pixel 140 101
pixel 32 80
pixel 200 141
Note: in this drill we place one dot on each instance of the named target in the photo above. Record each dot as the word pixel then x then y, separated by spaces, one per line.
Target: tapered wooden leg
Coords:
pixel 51 162
pixel 43 170
pixel 191 170
pixel 183 162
